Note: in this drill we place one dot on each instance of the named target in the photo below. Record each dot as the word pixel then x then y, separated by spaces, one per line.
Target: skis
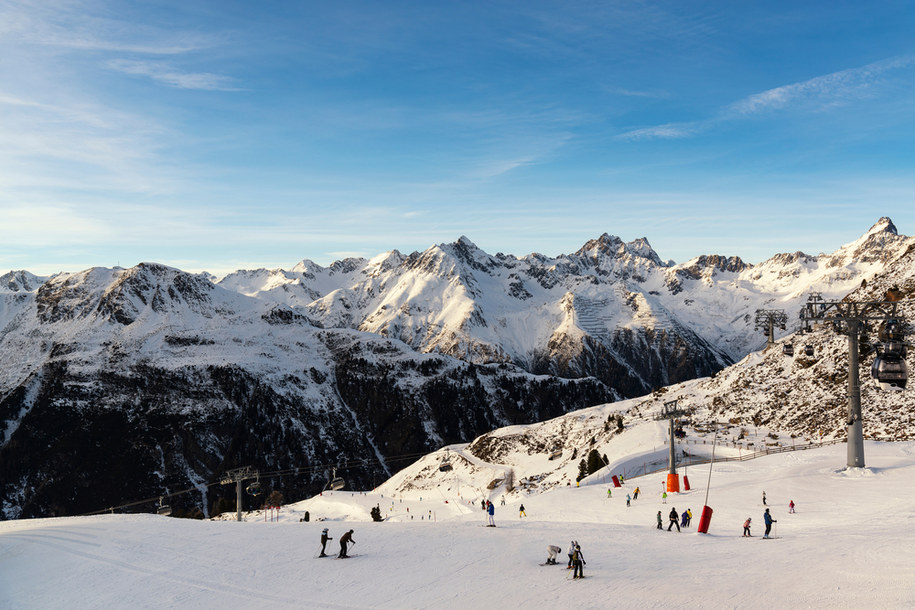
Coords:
pixel 547 563
pixel 347 556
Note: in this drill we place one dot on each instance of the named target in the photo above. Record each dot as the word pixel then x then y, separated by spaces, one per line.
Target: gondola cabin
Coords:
pixel 788 349
pixel 337 483
pixel 445 466
pixel 808 350
pixel 254 489
pixel 163 509
pixel 889 370
pixel 556 454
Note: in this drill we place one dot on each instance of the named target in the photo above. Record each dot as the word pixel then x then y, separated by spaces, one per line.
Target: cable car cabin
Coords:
pixel 788 349
pixel 556 454
pixel 163 509
pixel 889 370
pixel 337 483
pixel 254 488
pixel 808 350
pixel 444 466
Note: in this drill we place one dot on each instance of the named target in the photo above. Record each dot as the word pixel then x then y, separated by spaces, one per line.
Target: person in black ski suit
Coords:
pixel 324 539
pixel 673 519
pixel 578 561
pixel 344 539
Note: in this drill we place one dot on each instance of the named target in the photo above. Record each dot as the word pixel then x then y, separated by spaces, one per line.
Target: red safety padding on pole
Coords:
pixel 685 483
pixel 673 483
pixel 616 481
pixel 705 519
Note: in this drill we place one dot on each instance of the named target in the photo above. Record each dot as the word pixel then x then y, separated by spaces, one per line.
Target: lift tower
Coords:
pixel 237 476
pixel 850 318
pixel 672 412
pixel 768 319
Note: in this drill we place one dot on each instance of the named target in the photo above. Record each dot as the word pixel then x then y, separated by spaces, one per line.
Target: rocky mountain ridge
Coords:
pixel 167 379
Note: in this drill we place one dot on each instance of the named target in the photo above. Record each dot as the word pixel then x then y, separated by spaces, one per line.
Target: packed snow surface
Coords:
pixel 851 544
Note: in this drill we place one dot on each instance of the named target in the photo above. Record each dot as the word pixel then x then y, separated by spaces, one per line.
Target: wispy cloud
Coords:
pixel 165 74
pixel 72 25
pixel 827 90
pixel 668 132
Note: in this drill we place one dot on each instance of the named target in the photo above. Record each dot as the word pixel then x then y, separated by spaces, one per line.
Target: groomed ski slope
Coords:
pixel 851 544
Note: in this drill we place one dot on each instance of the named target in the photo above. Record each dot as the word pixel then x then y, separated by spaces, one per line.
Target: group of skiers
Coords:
pixel 675 519
pixel 767 519
pixel 576 559
pixel 345 539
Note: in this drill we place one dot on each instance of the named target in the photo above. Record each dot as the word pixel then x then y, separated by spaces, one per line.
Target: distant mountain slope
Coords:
pixel 166 379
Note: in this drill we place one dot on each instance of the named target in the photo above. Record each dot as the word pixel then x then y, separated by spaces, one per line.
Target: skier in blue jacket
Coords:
pixel 491 510
pixel 769 521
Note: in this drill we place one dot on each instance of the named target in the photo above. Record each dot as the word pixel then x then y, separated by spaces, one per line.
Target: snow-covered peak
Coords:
pixel 20 281
pixel 611 246
pixel 881 243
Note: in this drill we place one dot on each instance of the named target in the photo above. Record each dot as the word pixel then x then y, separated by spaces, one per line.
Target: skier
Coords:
pixel 609 493
pixel 553 550
pixel 521 512
pixel 663 497
pixel 627 500
pixel 683 519
pixel 571 552
pixel 673 519
pixel 659 521
pixel 578 561
pixel 635 494
pixel 689 516
pixel 769 521
pixel 344 539
pixel 483 504
pixel 622 480
pixel 746 527
pixel 764 498
pixel 491 510
pixel 791 506
pixel 324 539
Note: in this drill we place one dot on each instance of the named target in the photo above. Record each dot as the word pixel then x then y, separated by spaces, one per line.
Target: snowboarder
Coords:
pixel 491 511
pixel 553 550
pixel 521 512
pixel 791 506
pixel 764 498
pixel 660 527
pixel 344 540
pixel 622 480
pixel 635 494
pixel 746 527
pixel 578 561
pixel 324 539
pixel 769 521
pixel 673 519
pixel 627 500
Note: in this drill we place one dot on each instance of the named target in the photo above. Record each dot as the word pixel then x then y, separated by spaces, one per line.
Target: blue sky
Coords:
pixel 237 134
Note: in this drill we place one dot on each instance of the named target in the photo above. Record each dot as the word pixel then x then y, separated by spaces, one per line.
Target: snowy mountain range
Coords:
pixel 166 379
